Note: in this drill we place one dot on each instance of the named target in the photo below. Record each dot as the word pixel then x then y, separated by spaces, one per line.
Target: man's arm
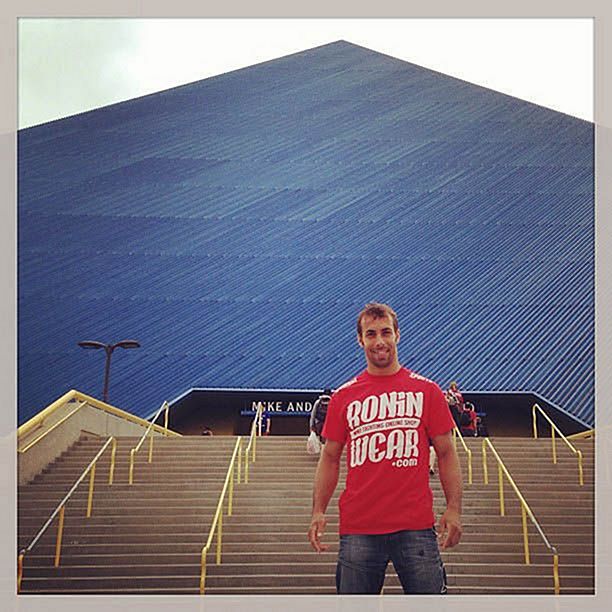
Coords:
pixel 450 477
pixel 326 479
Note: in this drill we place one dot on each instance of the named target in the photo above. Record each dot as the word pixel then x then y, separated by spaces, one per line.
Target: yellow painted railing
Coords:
pixel 84 400
pixel 590 433
pixel 53 427
pixel 553 429
pixel 59 511
pixel 148 432
pixel 217 524
pixel 457 434
pixel 252 445
pixel 525 509
pixel 249 456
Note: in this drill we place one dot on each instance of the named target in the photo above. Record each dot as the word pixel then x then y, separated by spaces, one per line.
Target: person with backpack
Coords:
pixel 317 420
pixel 319 412
pixel 468 420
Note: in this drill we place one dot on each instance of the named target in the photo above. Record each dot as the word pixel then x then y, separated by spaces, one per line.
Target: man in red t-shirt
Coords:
pixel 387 417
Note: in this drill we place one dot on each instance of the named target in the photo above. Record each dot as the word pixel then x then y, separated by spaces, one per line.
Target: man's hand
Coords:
pixel 326 478
pixel 316 531
pixel 449 526
pixel 449 529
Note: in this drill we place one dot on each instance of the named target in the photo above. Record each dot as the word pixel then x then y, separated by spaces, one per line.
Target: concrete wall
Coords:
pixel 86 420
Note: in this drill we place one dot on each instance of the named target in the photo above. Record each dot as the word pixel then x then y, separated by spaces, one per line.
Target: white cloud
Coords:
pixel 71 65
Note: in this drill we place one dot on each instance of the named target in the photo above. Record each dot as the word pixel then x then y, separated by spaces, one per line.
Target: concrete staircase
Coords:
pixel 146 538
pixel 273 515
pixel 141 538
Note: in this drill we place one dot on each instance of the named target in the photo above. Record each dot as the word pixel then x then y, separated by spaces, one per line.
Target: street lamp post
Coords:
pixel 108 349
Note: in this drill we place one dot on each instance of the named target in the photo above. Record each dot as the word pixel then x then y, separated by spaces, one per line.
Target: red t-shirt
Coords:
pixel 473 420
pixel 386 423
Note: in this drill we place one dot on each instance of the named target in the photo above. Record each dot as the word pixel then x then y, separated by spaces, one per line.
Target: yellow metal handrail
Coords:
pixel 590 433
pixel 525 509
pixel 91 469
pixel 38 420
pixel 53 427
pixel 148 432
pixel 252 441
pixel 457 433
pixel 554 428
pixel 217 523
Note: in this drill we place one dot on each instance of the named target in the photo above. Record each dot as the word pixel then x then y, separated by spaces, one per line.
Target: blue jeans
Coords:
pixel 363 559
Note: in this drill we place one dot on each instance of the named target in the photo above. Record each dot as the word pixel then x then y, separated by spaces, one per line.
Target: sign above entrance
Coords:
pixel 279 407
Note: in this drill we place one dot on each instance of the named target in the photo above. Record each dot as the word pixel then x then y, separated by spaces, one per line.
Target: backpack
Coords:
pixel 465 419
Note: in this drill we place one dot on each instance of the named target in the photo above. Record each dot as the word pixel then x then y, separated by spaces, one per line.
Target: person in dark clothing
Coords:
pixel 265 423
pixel 468 420
pixel 319 411
pixel 455 402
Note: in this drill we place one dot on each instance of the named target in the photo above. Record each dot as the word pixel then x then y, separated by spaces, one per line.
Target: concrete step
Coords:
pixel 88 529
pixel 160 455
pixel 119 582
pixel 254 519
pixel 257 519
pixel 519 450
pixel 306 472
pixel 129 532
pixel 119 549
pixel 310 591
pixel 279 495
pixel 276 444
pixel 227 569
pixel 48 492
pixel 184 478
pixel 252 540
pixel 295 545
pixel 178 514
pixel 250 512
pixel 305 555
pixel 174 465
pixel 476 511
pixel 523 590
pixel 170 441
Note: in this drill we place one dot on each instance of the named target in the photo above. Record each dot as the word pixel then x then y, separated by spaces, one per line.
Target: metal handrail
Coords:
pixel 525 509
pixel 590 433
pixel 456 433
pixel 53 427
pixel 91 468
pixel 554 428
pixel 38 419
pixel 149 432
pixel 217 523
pixel 252 441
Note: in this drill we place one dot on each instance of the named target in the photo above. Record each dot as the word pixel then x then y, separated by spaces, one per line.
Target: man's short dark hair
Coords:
pixel 376 311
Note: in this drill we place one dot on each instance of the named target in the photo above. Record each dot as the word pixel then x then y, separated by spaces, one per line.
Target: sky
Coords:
pixel 67 66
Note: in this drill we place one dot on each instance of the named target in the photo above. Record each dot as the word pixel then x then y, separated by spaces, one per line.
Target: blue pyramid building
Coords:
pixel 235 227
